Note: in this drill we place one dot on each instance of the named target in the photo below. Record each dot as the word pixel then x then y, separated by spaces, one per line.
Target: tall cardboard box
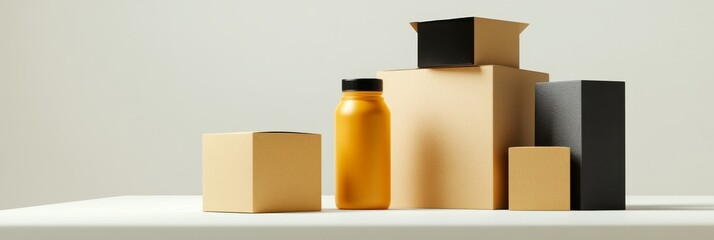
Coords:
pixel 256 172
pixel 451 130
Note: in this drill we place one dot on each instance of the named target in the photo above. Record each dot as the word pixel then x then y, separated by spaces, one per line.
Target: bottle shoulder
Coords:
pixel 362 107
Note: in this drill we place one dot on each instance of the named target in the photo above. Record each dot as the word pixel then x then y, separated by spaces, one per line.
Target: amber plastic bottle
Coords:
pixel 362 146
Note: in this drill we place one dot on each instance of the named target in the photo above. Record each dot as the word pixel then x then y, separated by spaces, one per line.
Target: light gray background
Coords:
pixel 103 98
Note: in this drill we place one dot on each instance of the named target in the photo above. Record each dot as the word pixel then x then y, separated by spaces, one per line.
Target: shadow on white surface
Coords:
pixel 673 207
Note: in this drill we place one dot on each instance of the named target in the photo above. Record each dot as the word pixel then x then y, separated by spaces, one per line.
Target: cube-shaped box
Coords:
pixel 261 172
pixel 467 42
pixel 588 117
pixel 451 129
pixel 539 178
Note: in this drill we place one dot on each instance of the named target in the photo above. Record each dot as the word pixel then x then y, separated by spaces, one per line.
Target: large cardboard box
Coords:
pixel 467 42
pixel 539 178
pixel 588 117
pixel 451 130
pixel 261 172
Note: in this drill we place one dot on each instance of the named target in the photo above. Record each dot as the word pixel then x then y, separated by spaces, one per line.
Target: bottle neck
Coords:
pixel 362 95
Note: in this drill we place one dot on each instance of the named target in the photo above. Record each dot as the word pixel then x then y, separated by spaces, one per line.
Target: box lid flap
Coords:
pixel 288 132
pixel 477 20
pixel 262 132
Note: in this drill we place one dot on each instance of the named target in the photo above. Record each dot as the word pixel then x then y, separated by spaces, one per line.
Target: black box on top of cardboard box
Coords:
pixel 467 42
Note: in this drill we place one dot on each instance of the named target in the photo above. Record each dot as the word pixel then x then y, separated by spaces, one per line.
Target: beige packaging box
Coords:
pixel 261 172
pixel 451 130
pixel 539 178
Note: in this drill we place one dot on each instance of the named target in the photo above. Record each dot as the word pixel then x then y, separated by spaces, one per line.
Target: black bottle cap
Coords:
pixel 362 84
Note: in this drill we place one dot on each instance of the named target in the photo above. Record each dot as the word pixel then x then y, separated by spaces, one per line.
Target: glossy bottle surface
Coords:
pixel 362 151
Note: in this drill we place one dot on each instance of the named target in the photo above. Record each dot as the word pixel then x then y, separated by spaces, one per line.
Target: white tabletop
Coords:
pixel 180 217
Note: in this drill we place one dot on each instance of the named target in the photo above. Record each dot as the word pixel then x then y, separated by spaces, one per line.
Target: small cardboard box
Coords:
pixel 451 129
pixel 467 42
pixel 539 178
pixel 261 172
pixel 588 117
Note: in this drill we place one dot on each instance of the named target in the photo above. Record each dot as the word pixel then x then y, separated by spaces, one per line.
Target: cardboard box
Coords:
pixel 588 117
pixel 261 172
pixel 467 42
pixel 451 129
pixel 539 178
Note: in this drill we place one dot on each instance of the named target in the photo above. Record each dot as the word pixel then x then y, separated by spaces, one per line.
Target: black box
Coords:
pixel 588 117
pixel 467 42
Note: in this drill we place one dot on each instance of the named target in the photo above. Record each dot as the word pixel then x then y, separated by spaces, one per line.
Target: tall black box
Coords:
pixel 467 42
pixel 588 117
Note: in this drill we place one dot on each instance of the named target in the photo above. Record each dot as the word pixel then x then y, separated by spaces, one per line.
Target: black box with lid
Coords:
pixel 467 42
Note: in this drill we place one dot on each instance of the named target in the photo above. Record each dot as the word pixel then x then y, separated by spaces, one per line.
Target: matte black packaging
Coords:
pixel 588 117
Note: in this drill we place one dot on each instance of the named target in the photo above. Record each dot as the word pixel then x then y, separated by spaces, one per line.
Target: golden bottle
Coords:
pixel 362 146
